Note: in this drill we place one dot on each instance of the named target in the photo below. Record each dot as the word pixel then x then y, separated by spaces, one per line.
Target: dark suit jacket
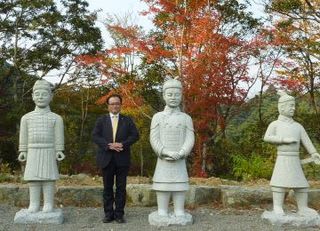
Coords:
pixel 127 134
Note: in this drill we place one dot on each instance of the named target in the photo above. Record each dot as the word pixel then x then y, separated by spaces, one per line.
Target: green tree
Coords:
pixel 295 29
pixel 37 37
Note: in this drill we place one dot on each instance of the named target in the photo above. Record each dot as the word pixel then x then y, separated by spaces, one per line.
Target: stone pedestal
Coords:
pixel 155 219
pixel 293 219
pixel 25 217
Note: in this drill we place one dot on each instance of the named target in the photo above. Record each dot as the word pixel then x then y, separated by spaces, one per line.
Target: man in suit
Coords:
pixel 114 133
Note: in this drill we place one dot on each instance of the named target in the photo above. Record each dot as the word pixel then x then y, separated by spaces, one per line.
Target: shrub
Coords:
pixel 252 167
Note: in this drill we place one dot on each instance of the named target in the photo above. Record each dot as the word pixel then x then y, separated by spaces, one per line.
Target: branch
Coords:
pixel 137 106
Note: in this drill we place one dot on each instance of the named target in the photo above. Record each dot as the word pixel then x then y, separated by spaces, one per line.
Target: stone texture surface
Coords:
pixel 314 198
pixel 292 219
pixel 83 196
pixel 14 195
pixel 198 194
pixel 8 193
pixel 22 196
pixel 236 196
pixel 25 217
pixel 143 195
pixel 156 220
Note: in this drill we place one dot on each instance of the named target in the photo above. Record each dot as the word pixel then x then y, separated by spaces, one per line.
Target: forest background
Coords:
pixel 211 45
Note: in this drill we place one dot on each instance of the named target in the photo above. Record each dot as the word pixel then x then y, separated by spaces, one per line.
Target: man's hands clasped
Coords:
pixel 118 147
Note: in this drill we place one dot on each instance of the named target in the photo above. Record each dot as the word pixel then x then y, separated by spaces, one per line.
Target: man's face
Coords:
pixel 288 108
pixel 114 105
pixel 172 97
pixel 41 97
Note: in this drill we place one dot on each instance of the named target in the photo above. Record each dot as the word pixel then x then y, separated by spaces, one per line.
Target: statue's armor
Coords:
pixel 287 171
pixel 174 132
pixel 41 136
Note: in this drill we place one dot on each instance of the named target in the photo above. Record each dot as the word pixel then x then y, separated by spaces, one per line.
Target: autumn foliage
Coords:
pixel 189 42
pixel 295 29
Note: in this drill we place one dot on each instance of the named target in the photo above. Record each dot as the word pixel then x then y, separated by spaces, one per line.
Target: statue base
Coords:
pixel 171 219
pixel 25 217
pixel 293 219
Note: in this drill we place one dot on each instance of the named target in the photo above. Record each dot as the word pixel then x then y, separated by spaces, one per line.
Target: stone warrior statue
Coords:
pixel 172 138
pixel 41 145
pixel 287 134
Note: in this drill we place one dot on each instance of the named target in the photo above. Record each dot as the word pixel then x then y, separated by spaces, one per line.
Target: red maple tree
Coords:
pixel 189 41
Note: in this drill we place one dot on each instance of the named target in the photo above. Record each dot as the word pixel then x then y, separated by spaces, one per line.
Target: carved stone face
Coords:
pixel 287 108
pixel 172 97
pixel 41 97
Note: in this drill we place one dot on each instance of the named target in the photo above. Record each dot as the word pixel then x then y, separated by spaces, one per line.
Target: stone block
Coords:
pixel 293 219
pixel 84 196
pixel 25 217
pixel 22 196
pixel 198 195
pixel 8 193
pixel 236 196
pixel 141 195
pixel 313 198
pixel 157 220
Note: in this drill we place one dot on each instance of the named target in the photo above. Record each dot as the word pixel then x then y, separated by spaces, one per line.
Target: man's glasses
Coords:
pixel 114 104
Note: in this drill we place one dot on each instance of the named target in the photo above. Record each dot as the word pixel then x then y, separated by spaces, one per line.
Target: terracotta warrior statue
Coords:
pixel 288 134
pixel 41 145
pixel 172 139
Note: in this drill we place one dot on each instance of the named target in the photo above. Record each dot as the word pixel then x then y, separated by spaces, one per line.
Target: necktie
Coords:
pixel 114 120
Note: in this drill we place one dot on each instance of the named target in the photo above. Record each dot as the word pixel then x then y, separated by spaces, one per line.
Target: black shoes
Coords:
pixel 107 219
pixel 120 220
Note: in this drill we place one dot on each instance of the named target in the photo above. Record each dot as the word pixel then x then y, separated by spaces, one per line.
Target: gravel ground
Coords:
pixel 205 218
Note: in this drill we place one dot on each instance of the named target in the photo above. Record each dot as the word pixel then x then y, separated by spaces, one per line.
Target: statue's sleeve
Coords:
pixel 307 143
pixel 23 135
pixel 189 138
pixel 271 135
pixel 59 134
pixel 155 141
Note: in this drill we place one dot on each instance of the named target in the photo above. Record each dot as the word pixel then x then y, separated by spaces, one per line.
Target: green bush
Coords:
pixel 5 168
pixel 252 167
pixel 311 171
pixel 7 175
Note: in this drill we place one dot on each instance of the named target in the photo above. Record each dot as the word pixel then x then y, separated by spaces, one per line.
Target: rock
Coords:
pixel 198 194
pixel 80 176
pixel 22 196
pixel 235 196
pixel 155 219
pixel 84 196
pixel 292 219
pixel 8 193
pixel 314 198
pixel 14 195
pixel 141 195
pixel 25 217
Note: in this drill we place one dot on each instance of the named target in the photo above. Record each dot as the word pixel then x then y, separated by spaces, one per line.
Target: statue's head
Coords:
pixel 286 104
pixel 42 93
pixel 172 93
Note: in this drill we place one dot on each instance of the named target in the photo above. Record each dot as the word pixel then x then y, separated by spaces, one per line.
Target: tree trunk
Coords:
pixel 204 158
pixel 141 161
